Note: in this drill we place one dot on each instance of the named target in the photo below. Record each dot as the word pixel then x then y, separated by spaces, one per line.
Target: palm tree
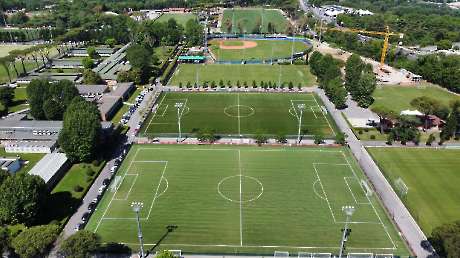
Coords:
pixel 5 62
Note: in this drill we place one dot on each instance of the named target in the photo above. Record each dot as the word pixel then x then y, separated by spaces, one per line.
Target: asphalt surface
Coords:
pixel 405 223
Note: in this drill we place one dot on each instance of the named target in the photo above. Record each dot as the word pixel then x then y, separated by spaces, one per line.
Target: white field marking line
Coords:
pixel 324 192
pixel 239 121
pixel 166 189
pixel 254 150
pixel 156 192
pixel 162 123
pixel 364 192
pixel 156 110
pixel 314 190
pixel 183 108
pixel 372 205
pixel 268 246
pixel 295 110
pixel 150 161
pixel 164 111
pixel 314 113
pixel 241 198
pixel 113 196
pixel 130 188
pixel 319 106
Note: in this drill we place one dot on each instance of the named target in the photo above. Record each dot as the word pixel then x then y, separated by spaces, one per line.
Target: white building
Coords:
pixel 50 168
pixel 10 165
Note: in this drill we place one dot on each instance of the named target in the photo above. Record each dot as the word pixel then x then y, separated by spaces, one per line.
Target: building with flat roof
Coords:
pixel 66 63
pixel 52 77
pixel 30 146
pixel 11 165
pixel 110 103
pixel 102 51
pixel 91 91
pixel 51 168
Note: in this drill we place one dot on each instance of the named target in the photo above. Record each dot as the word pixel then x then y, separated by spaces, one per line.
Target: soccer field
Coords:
pixel 243 200
pixel 259 50
pixel 432 177
pixel 238 114
pixel 253 20
pixel 181 18
pixel 276 74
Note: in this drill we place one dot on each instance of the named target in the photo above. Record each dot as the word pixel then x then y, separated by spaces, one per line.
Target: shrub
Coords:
pixel 89 171
pixel 318 139
pixel 78 188
pixel 96 163
pixel 430 140
pixel 238 84
pixel 189 85
pixel 372 137
pixel 213 84
pixel 254 84
pixel 180 85
pixel 360 132
pixel 245 84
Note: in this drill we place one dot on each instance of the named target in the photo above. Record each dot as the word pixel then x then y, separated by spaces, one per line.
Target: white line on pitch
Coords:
pixel 241 193
pixel 239 121
pixel 156 192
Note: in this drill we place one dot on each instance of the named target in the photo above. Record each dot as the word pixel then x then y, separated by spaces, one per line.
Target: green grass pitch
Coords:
pixel 297 74
pixel 432 177
pixel 265 49
pixel 238 114
pixel 181 18
pixel 248 199
pixel 249 18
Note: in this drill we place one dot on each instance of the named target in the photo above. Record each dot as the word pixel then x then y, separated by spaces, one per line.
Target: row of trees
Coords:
pixel 244 84
pixel 360 81
pixel 327 70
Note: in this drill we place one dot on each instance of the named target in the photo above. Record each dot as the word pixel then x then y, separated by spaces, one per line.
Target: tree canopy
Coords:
pixel 80 133
pixel 80 244
pixel 21 198
pixel 35 241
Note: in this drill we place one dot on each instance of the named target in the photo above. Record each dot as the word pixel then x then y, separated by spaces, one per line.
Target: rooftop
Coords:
pixel 48 166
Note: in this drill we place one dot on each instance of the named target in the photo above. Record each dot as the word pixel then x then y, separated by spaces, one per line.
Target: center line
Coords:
pixel 241 199
pixel 238 106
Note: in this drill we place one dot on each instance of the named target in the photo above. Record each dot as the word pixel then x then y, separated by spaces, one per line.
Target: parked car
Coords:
pixel 91 206
pixel 85 216
pixel 78 227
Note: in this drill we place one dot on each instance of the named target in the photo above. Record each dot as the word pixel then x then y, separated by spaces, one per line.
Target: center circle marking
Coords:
pixel 240 177
pixel 244 111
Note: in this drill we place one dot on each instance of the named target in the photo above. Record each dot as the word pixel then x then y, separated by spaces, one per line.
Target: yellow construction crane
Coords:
pixel 387 33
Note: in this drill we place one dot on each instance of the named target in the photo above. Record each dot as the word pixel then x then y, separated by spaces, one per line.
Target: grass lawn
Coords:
pixel 398 98
pixel 227 199
pixel 30 158
pixel 297 74
pixel 239 114
pixel 181 18
pixel 163 52
pixel 117 117
pixel 5 49
pixel 19 101
pixel 64 198
pixel 251 18
pixel 265 49
pixel 432 177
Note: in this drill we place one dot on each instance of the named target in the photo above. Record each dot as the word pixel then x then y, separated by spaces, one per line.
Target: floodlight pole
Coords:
pixel 137 206
pixel 301 107
pixel 348 210
pixel 179 105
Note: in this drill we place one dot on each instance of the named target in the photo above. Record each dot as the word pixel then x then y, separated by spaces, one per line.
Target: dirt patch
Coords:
pixel 245 44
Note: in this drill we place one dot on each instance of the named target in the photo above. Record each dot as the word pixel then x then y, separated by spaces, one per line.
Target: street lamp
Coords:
pixel 137 206
pixel 348 210
pixel 301 107
pixel 179 105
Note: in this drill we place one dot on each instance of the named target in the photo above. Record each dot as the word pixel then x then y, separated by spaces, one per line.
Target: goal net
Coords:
pixel 384 256
pixel 366 188
pixel 115 184
pixel 314 255
pixel 281 254
pixel 360 255
pixel 401 187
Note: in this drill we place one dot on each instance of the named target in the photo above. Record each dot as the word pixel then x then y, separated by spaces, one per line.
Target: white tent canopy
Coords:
pixel 408 112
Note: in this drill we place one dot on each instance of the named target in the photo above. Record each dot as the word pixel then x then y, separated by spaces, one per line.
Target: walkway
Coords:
pixel 406 224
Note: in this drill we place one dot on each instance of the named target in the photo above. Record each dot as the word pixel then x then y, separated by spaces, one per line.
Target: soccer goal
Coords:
pixel 384 256
pixel 360 255
pixel 115 184
pixel 366 188
pixel 176 253
pixel 401 187
pixel 281 254
pixel 321 255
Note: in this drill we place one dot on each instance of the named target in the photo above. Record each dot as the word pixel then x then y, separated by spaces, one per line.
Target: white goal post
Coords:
pixel 281 254
pixel 115 184
pixel 401 187
pixel 366 187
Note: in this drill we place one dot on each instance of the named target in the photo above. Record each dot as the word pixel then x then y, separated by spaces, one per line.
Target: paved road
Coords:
pixel 92 193
pixel 401 216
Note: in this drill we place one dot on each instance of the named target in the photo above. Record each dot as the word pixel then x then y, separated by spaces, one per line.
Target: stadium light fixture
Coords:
pixel 179 105
pixel 301 107
pixel 137 206
pixel 348 210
